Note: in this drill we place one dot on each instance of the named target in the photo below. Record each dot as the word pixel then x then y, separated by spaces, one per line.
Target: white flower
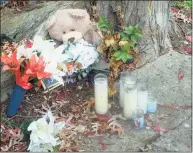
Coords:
pixel 39 147
pixel 43 136
pixel 43 45
pixel 26 52
pixel 84 53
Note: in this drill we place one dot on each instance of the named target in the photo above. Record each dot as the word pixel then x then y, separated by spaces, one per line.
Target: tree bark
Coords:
pixel 153 18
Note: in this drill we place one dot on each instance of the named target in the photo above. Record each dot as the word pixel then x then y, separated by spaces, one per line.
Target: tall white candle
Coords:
pixel 121 94
pixel 124 74
pixel 130 97
pixel 142 100
pixel 101 94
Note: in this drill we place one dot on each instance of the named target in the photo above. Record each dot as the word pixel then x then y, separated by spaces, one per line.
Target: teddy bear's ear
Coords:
pixel 78 13
pixel 50 22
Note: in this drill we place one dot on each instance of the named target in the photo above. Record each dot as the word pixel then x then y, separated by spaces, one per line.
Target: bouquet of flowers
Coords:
pixel 33 61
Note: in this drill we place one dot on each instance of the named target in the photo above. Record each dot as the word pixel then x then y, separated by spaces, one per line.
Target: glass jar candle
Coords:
pixel 130 97
pixel 123 75
pixel 101 93
pixel 142 95
pixel 151 104
pixel 138 119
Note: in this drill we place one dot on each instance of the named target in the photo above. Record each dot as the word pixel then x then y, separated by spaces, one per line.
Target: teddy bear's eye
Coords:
pixel 72 29
pixel 64 32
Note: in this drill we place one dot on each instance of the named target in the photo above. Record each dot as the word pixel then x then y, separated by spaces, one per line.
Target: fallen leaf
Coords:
pixel 156 128
pixel 189 38
pixel 87 133
pixel 5 148
pixel 80 128
pixel 188 145
pixel 188 50
pixel 115 126
pixel 95 127
pixel 180 75
pixel 102 117
pixel 104 146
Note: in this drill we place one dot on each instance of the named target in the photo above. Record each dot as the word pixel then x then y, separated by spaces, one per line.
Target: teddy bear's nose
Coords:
pixel 71 40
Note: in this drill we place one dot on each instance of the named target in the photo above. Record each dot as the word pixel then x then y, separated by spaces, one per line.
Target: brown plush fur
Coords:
pixel 71 20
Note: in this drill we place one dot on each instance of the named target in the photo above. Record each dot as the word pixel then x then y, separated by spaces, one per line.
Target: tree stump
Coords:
pixel 154 19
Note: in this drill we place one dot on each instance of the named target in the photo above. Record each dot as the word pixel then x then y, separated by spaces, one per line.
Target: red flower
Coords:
pixel 23 81
pixel 11 62
pixel 36 68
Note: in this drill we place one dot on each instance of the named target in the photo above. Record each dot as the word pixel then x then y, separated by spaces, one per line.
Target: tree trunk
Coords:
pixel 153 18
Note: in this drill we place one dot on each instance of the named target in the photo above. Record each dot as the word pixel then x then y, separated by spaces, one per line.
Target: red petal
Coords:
pixel 29 71
pixel 39 84
pixel 188 50
pixel 27 86
pixel 180 75
pixel 28 44
pixel 6 67
pixel 33 62
pixel 189 38
pixel 4 57
pixel 156 128
pixel 21 60
pixel 104 146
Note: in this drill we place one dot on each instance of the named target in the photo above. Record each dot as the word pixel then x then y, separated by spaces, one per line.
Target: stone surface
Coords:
pixel 162 77
pixel 24 24
pixel 176 140
pixel 7 83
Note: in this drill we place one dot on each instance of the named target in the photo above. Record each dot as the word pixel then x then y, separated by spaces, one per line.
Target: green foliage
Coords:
pixel 121 53
pixel 24 125
pixel 131 33
pixel 185 3
pixel 56 148
pixel 103 24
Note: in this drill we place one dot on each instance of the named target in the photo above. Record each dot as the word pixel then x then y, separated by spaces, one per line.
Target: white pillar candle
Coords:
pixel 130 97
pixel 142 92
pixel 142 100
pixel 121 83
pixel 101 94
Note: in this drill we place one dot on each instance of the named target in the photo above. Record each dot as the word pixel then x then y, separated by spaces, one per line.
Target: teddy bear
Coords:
pixel 71 25
pixel 74 26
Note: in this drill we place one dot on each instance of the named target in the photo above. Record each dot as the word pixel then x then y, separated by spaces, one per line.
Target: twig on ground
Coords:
pixel 23 117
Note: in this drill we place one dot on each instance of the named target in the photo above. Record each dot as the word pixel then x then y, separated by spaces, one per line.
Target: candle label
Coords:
pixel 138 123
pixel 151 107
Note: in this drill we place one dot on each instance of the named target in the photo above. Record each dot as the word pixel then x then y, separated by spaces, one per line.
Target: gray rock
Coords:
pixel 7 83
pixel 175 140
pixel 162 78
pixel 26 24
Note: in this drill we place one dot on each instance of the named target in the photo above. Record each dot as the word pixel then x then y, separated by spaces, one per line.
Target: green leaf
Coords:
pixel 124 59
pixel 134 39
pixel 139 35
pixel 102 25
pixel 136 26
pixel 118 58
pixel 129 56
pixel 117 53
pixel 129 30
pixel 126 47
